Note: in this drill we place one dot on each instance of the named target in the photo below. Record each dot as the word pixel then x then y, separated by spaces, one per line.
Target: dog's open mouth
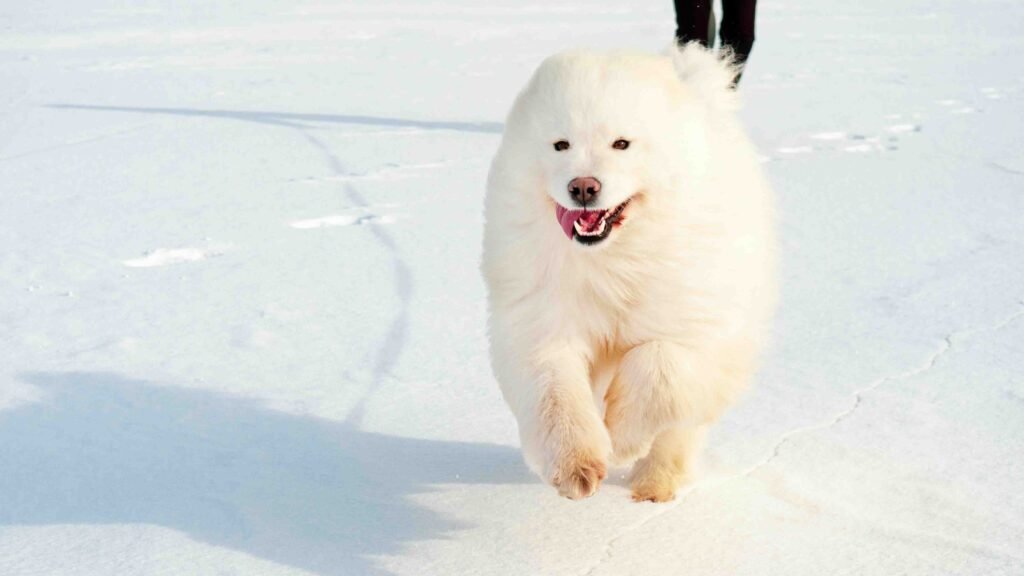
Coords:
pixel 589 226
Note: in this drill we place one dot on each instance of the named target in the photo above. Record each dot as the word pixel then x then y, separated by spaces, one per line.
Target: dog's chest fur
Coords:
pixel 610 300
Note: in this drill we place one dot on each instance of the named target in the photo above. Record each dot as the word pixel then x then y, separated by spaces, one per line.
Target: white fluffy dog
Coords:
pixel 629 255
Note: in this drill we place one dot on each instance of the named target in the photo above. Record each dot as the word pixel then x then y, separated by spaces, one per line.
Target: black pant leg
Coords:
pixel 692 20
pixel 738 27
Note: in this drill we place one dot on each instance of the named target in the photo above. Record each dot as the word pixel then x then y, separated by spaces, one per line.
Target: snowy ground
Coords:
pixel 242 326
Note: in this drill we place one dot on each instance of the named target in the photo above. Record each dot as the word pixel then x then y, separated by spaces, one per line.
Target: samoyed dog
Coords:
pixel 629 258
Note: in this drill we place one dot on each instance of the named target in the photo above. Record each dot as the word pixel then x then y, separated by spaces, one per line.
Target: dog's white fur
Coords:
pixel 628 349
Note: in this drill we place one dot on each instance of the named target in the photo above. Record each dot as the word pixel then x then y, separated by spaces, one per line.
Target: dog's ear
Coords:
pixel 710 76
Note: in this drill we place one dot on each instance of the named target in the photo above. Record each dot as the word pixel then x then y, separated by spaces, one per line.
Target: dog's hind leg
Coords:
pixel 661 385
pixel 672 461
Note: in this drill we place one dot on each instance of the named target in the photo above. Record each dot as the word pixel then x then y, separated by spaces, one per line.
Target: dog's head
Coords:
pixel 601 139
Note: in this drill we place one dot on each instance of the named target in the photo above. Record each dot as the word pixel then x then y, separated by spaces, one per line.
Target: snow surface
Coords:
pixel 242 326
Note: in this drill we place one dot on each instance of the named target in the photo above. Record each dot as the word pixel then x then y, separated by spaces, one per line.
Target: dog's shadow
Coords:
pixel 300 491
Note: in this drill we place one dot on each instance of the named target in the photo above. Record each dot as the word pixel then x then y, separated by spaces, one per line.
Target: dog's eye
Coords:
pixel 620 144
pixel 562 145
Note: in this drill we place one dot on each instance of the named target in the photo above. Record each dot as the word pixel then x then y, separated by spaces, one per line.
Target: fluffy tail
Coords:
pixel 708 74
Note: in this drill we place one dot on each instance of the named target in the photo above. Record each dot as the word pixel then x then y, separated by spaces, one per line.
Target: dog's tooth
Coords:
pixel 597 232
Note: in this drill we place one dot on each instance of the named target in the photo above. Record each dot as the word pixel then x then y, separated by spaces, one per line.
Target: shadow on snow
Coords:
pixel 305 492
pixel 294 119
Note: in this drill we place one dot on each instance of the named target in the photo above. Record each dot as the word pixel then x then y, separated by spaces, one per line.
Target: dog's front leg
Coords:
pixel 563 436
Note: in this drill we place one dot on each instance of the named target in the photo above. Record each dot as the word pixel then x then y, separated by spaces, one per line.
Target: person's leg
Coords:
pixel 692 17
pixel 738 29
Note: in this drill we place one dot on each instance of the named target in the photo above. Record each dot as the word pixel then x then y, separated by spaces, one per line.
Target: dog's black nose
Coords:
pixel 584 190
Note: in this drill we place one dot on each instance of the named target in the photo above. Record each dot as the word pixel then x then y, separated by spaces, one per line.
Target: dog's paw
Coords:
pixel 653 492
pixel 652 481
pixel 671 463
pixel 576 449
pixel 650 484
pixel 579 476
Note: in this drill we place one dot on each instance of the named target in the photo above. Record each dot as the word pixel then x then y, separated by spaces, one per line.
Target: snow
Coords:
pixel 242 325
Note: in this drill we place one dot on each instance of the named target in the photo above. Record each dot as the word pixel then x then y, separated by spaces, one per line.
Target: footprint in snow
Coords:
pixel 903 128
pixel 956 106
pixel 166 256
pixel 992 93
pixel 829 136
pixel 794 150
pixel 355 217
pixel 389 171
pixel 852 142
pixel 859 143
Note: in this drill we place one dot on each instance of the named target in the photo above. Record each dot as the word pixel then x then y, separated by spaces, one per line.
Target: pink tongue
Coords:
pixel 589 219
pixel 566 218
